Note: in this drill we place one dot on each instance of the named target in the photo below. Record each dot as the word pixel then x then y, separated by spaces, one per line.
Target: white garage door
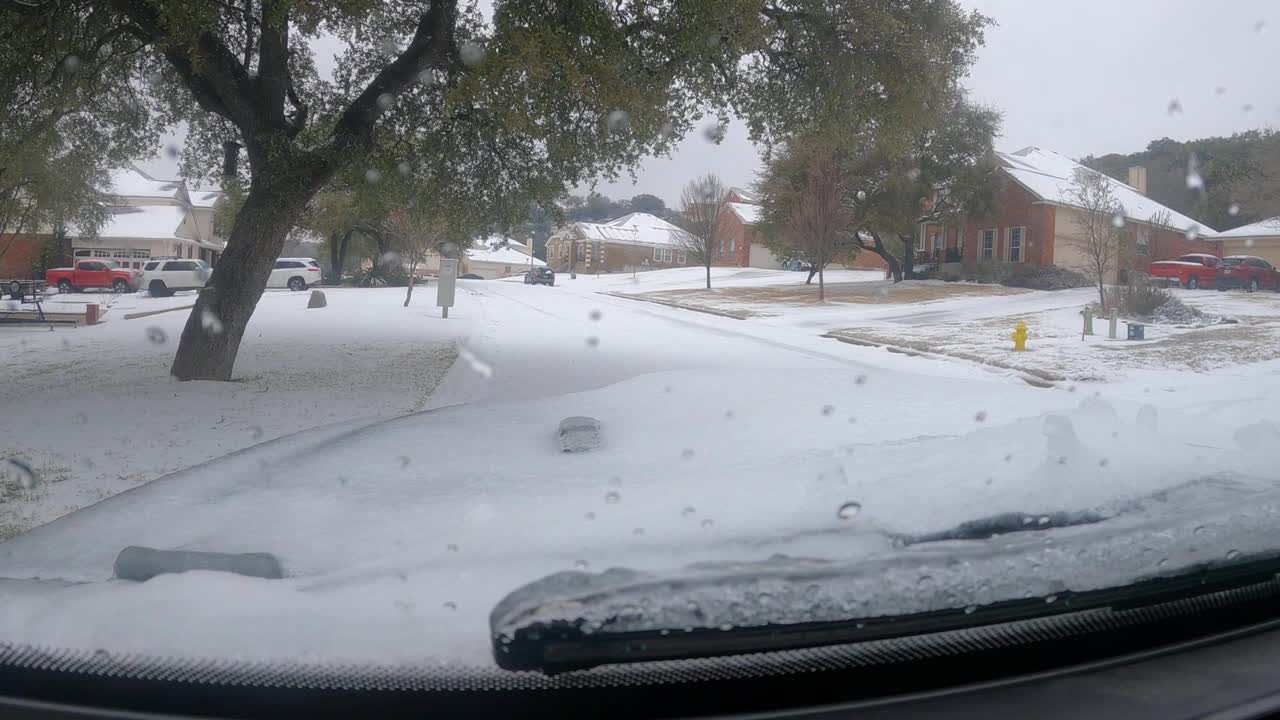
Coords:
pixel 761 258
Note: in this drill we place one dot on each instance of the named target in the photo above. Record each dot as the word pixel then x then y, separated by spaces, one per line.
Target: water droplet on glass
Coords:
pixel 688 511
pixel 666 389
pixel 1162 562
pixel 714 132
pixel 172 151
pixel 593 341
pixel 1008 457
pixel 429 77
pixel 1049 600
pixel 450 605
pixel 1175 107
pixel 726 627
pixel 404 461
pixel 1197 530
pixel 590 516
pixel 638 531
pixel 1233 209
pixel 925 580
pixel 389 258
pixel 210 322
pixel 404 168
pixel 81 418
pixel 713 40
pixel 707 523
pixel 156 335
pixel 828 409
pixel 667 131
pixel 619 121
pixel 372 176
pixel 255 432
pixel 385 101
pixel 580 564
pixel 451 547
pixel 971 610
pixel 1246 108
pixel 1103 462
pixel 1117 219
pixel 389 47
pixel 1044 520
pixel 1260 26
pixel 595 315
pixel 913 174
pixel 848 510
pixel 72 64
pixel 1028 521
pixel 861 195
pixel 1219 90
pixel 612 497
pixel 472 54
pixel 989 480
pixel 481 368
pixel 728 414
pixel 860 380
pixel 1194 181
pixel 19 471
pixel 981 416
pixel 1233 554
pixel 1248 242
pixel 687 454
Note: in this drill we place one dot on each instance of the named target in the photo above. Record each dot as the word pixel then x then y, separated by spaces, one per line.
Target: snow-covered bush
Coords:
pixel 1141 300
pixel 1045 277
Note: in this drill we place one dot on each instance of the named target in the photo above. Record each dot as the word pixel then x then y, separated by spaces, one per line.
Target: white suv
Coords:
pixel 162 276
pixel 294 273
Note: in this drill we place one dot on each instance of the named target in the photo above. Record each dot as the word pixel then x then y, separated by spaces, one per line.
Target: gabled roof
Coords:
pixel 746 195
pixel 748 214
pixel 632 229
pixel 144 221
pixel 1048 175
pixel 1263 228
pixel 132 182
pixel 505 251
pixel 205 198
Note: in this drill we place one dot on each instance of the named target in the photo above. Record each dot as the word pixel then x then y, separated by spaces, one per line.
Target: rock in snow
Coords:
pixel 142 563
pixel 580 434
pixel 317 300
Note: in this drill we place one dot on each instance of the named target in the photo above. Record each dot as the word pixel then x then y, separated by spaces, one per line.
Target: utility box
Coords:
pixel 444 289
pixel 1137 331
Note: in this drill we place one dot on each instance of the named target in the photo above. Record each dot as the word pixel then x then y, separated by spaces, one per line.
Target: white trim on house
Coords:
pixel 1022 243
pixel 982 243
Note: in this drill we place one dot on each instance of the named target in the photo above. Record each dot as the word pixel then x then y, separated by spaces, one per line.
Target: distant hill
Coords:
pixel 1243 169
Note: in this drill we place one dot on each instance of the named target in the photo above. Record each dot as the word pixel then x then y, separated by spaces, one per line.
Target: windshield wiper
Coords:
pixel 564 644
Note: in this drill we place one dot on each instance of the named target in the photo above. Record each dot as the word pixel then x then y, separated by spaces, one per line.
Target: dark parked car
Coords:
pixel 1247 271
pixel 470 276
pixel 540 276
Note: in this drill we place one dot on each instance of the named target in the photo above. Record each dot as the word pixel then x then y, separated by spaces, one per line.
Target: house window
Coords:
pixel 582 252
pixel 144 254
pixel 988 244
pixel 1144 241
pixel 920 240
pixel 102 253
pixel 662 254
pixel 1015 244
pixel 82 253
pixel 682 258
pixel 937 242
pixel 732 243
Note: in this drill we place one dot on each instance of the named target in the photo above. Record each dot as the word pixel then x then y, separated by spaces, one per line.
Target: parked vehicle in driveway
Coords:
pixel 86 274
pixel 1247 271
pixel 164 276
pixel 294 273
pixel 540 276
pixel 1191 271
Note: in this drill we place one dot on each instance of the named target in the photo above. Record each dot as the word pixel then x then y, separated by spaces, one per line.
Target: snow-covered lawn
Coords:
pixel 93 410
pixel 724 440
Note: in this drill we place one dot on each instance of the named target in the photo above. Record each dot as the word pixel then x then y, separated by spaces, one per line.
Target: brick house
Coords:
pixel 638 241
pixel 1036 224
pixel 1261 239
pixel 740 246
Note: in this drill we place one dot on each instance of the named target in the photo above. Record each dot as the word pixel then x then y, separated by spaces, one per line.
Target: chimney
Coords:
pixel 1138 178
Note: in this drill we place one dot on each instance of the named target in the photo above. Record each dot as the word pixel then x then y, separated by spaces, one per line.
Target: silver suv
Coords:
pixel 163 276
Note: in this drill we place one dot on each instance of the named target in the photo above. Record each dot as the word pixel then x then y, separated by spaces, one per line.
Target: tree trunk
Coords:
pixel 822 290
pixel 813 270
pixel 413 269
pixel 271 208
pixel 708 274
pixel 342 255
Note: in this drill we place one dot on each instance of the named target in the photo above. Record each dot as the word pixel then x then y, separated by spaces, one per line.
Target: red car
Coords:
pixel 93 274
pixel 1247 271
pixel 1190 271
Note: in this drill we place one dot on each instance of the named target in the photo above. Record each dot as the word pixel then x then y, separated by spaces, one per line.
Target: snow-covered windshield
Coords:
pixel 633 315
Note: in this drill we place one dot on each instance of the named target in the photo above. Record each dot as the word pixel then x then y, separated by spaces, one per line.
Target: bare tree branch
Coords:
pixel 702 206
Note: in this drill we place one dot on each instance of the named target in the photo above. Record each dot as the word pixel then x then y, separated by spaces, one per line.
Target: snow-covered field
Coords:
pixel 725 440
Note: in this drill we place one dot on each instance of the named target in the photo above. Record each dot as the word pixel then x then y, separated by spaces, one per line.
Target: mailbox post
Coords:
pixel 444 288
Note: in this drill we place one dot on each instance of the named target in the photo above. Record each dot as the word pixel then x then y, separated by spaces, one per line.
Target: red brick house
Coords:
pixel 740 246
pixel 1037 225
pixel 638 241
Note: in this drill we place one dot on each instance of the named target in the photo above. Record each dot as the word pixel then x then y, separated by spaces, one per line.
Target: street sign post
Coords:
pixel 444 288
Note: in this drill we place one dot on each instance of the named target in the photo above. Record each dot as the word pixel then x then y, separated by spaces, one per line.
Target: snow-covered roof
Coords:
pixel 1048 175
pixel 748 214
pixel 501 255
pixel 1264 228
pixel 746 195
pixel 632 229
pixel 144 221
pixel 205 198
pixel 132 182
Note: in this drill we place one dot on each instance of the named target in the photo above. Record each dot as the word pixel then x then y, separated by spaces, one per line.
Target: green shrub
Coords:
pixel 1140 299
pixel 1045 277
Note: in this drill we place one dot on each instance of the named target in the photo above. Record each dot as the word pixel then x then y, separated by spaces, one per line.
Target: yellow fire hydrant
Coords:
pixel 1020 336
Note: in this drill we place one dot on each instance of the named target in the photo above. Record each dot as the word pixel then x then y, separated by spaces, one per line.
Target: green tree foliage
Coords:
pixel 1241 170
pixel 519 109
pixel 646 203
pixel 68 114
pixel 937 168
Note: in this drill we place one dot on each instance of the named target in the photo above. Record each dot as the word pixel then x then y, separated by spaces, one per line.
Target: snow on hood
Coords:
pixel 399 537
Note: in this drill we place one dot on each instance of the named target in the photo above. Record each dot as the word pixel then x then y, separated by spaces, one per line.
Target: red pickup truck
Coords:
pixel 1191 271
pixel 93 274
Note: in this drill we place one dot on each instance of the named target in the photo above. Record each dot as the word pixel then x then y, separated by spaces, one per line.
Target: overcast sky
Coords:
pixel 1080 77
